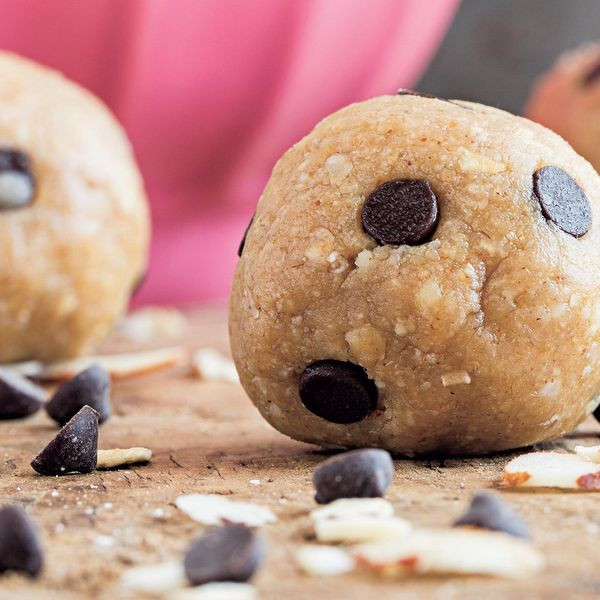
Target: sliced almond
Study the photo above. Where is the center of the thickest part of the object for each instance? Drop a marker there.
(465, 552)
(153, 323)
(225, 590)
(324, 560)
(346, 508)
(120, 366)
(216, 510)
(552, 469)
(155, 579)
(360, 529)
(212, 365)
(472, 162)
(117, 457)
(589, 452)
(29, 368)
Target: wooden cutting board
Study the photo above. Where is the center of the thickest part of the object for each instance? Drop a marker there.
(208, 438)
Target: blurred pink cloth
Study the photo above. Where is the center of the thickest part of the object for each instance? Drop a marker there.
(211, 92)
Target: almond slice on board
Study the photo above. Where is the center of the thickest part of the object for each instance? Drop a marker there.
(360, 529)
(120, 366)
(590, 452)
(350, 508)
(457, 551)
(117, 457)
(552, 469)
(211, 365)
(324, 560)
(212, 509)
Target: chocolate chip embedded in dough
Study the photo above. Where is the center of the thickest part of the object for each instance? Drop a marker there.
(402, 211)
(229, 553)
(365, 473)
(17, 187)
(74, 449)
(339, 392)
(90, 387)
(243, 241)
(562, 200)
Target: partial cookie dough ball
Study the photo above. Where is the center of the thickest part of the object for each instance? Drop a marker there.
(423, 276)
(74, 224)
(567, 100)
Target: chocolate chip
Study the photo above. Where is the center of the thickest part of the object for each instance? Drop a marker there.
(18, 396)
(19, 546)
(339, 392)
(562, 200)
(139, 282)
(489, 511)
(91, 387)
(74, 449)
(405, 92)
(592, 75)
(243, 242)
(597, 414)
(363, 473)
(227, 553)
(402, 211)
(16, 181)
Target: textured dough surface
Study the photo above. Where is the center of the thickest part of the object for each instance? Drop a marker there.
(482, 339)
(563, 102)
(71, 258)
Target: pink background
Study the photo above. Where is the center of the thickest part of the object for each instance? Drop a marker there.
(213, 91)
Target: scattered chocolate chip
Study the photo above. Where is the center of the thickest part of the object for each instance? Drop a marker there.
(228, 553)
(18, 396)
(91, 388)
(592, 75)
(402, 211)
(19, 546)
(596, 414)
(243, 242)
(562, 200)
(489, 511)
(339, 392)
(16, 181)
(74, 449)
(363, 473)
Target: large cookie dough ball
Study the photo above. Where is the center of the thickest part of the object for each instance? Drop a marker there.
(73, 215)
(567, 100)
(422, 276)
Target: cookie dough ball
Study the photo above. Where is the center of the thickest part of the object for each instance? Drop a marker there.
(73, 216)
(567, 100)
(423, 276)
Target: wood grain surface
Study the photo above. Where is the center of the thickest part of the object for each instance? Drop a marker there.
(208, 438)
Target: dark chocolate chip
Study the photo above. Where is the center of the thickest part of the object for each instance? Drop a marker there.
(489, 511)
(74, 449)
(562, 200)
(19, 546)
(243, 242)
(402, 211)
(597, 414)
(363, 473)
(339, 392)
(17, 187)
(139, 282)
(91, 388)
(592, 75)
(18, 396)
(227, 553)
(405, 92)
